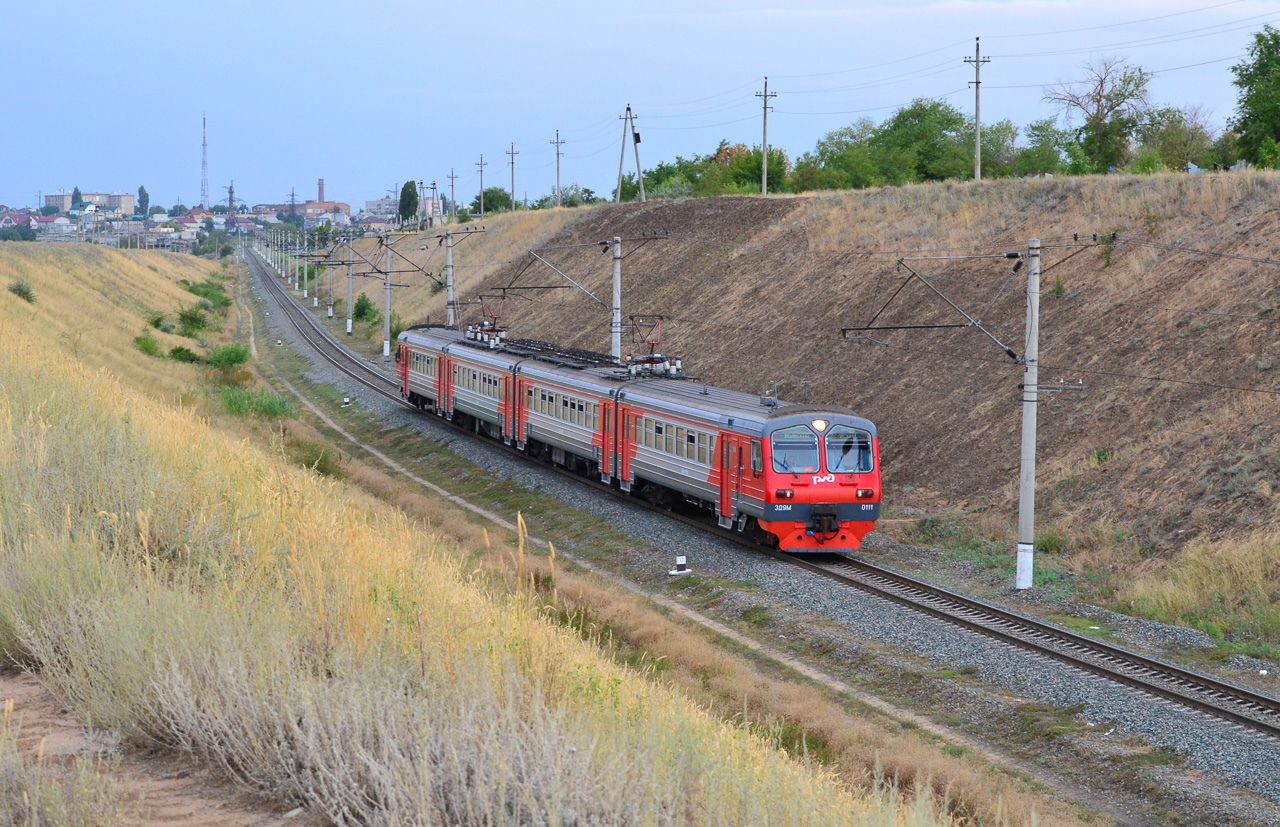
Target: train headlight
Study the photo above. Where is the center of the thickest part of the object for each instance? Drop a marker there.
(866, 493)
(819, 425)
(784, 493)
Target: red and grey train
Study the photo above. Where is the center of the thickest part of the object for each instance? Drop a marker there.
(809, 476)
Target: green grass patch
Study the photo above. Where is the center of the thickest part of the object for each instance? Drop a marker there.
(1037, 721)
(22, 290)
(757, 616)
(319, 458)
(184, 354)
(147, 345)
(1083, 625)
(261, 402)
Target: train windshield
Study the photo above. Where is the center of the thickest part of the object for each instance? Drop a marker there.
(848, 450)
(795, 450)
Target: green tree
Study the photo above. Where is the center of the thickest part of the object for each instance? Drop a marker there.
(364, 310)
(408, 202)
(155, 211)
(1257, 78)
(49, 210)
(144, 201)
(496, 199)
(1171, 138)
(1110, 101)
(924, 141)
(177, 209)
(76, 197)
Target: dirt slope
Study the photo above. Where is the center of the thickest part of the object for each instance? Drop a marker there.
(755, 291)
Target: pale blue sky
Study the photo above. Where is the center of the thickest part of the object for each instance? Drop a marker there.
(367, 95)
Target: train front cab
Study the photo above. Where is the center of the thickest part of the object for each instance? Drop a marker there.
(821, 479)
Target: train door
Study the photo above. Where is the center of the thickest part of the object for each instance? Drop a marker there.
(506, 406)
(626, 418)
(730, 478)
(444, 378)
(608, 443)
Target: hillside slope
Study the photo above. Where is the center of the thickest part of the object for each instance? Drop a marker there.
(1154, 445)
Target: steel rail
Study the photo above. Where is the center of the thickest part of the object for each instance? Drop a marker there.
(1237, 705)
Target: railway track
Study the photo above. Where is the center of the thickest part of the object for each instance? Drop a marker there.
(1238, 706)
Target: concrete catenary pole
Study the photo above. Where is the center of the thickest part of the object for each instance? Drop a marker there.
(350, 281)
(329, 301)
(315, 273)
(764, 141)
(482, 165)
(1030, 399)
(386, 311)
(977, 60)
(448, 278)
(304, 264)
(615, 324)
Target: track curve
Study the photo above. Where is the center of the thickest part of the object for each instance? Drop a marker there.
(1237, 705)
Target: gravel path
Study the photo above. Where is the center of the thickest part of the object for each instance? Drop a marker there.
(1245, 758)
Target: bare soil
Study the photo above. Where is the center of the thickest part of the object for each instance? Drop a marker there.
(164, 789)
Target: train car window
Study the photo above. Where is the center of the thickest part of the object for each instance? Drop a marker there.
(679, 442)
(848, 450)
(649, 428)
(795, 450)
(691, 445)
(671, 440)
(702, 448)
(724, 456)
(595, 417)
(757, 456)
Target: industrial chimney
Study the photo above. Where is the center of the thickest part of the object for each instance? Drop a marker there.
(321, 198)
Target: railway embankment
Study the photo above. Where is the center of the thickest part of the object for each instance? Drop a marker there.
(1158, 458)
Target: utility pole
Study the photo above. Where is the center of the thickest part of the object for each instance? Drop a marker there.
(435, 199)
(422, 197)
(977, 60)
(615, 323)
(482, 165)
(448, 278)
(386, 313)
(453, 205)
(764, 143)
(558, 143)
(350, 282)
(629, 125)
(513, 152)
(1030, 397)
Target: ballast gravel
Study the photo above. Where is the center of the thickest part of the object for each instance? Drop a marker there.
(1240, 755)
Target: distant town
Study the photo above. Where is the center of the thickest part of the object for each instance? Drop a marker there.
(129, 220)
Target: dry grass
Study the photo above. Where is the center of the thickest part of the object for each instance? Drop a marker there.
(93, 301)
(203, 596)
(45, 793)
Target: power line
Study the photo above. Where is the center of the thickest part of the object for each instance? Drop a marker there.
(1123, 23)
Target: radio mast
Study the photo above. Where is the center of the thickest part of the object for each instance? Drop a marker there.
(204, 163)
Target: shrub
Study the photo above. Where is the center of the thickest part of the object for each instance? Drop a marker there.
(147, 345)
(227, 357)
(397, 325)
(182, 354)
(210, 291)
(364, 311)
(191, 320)
(23, 291)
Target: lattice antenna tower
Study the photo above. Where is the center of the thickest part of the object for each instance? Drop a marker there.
(204, 162)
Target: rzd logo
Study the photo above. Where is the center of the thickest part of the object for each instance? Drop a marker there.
(824, 478)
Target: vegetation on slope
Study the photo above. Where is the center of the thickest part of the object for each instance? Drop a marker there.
(202, 596)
